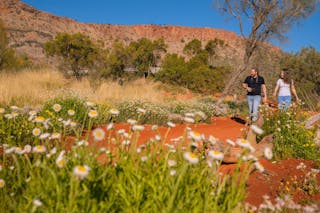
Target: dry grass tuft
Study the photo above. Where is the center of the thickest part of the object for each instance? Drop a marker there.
(33, 88)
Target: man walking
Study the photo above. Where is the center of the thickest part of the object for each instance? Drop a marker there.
(253, 84)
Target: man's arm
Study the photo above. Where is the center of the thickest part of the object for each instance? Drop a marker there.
(264, 89)
(245, 86)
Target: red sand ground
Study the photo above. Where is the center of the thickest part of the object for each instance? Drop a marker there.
(272, 182)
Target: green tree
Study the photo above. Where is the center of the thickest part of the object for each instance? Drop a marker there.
(193, 47)
(3, 43)
(118, 60)
(211, 48)
(143, 54)
(77, 52)
(8, 57)
(304, 68)
(173, 70)
(267, 19)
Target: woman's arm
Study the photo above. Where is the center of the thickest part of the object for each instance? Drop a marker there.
(294, 92)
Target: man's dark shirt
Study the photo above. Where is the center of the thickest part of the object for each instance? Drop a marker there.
(255, 84)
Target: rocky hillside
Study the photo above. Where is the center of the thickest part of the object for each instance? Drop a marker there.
(29, 28)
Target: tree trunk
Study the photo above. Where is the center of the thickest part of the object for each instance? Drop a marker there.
(234, 77)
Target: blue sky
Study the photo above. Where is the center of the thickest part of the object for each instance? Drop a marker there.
(193, 13)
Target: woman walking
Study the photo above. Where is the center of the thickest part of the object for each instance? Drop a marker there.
(283, 89)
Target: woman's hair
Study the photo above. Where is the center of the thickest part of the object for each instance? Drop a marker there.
(286, 77)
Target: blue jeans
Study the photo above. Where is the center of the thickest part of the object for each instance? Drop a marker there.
(253, 103)
(284, 102)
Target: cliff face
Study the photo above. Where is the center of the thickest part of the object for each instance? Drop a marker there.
(28, 28)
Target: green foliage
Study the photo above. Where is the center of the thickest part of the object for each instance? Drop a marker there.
(173, 70)
(199, 108)
(194, 75)
(291, 138)
(304, 67)
(143, 54)
(154, 114)
(131, 184)
(193, 47)
(73, 123)
(77, 52)
(9, 60)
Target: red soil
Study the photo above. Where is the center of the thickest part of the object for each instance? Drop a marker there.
(278, 179)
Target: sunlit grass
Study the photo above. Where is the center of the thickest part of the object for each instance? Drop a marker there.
(32, 88)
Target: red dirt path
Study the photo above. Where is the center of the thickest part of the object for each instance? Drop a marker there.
(272, 182)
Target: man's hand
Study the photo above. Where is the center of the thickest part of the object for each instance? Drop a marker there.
(249, 89)
(264, 100)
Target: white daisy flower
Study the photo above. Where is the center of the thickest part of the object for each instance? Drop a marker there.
(131, 121)
(137, 127)
(110, 126)
(154, 127)
(173, 172)
(140, 110)
(245, 144)
(230, 142)
(216, 154)
(37, 202)
(201, 114)
(32, 113)
(19, 150)
(268, 153)
(170, 124)
(61, 161)
(114, 111)
(53, 151)
(9, 150)
(256, 129)
(98, 134)
(8, 116)
(14, 108)
(259, 166)
(93, 113)
(212, 140)
(55, 135)
(44, 136)
(144, 158)
(39, 149)
(172, 163)
(56, 107)
(81, 172)
(126, 135)
(157, 137)
(90, 104)
(188, 120)
(36, 132)
(121, 131)
(71, 112)
(191, 157)
(2, 183)
(39, 119)
(196, 136)
(126, 142)
(189, 114)
(73, 124)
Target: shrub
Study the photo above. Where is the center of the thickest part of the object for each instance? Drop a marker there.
(291, 138)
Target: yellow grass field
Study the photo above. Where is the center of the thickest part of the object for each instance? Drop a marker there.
(33, 88)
